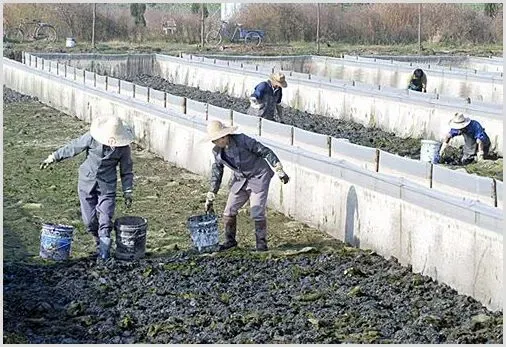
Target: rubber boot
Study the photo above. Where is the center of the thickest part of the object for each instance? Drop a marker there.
(94, 234)
(104, 248)
(261, 235)
(230, 232)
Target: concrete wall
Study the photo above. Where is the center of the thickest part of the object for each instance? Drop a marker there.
(116, 65)
(452, 241)
(486, 87)
(405, 114)
(480, 83)
(490, 64)
(365, 157)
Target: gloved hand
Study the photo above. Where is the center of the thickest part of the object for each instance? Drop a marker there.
(255, 103)
(442, 149)
(128, 198)
(49, 160)
(208, 207)
(281, 173)
(479, 156)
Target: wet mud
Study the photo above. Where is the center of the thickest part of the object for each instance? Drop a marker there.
(342, 296)
(309, 288)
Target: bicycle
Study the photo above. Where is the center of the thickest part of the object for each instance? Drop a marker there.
(41, 31)
(249, 37)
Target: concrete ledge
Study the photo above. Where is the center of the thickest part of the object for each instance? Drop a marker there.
(196, 108)
(248, 124)
(276, 131)
(141, 93)
(218, 113)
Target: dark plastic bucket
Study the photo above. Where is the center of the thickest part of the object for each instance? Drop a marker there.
(204, 232)
(130, 237)
(55, 241)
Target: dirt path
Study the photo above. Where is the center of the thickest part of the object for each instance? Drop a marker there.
(327, 293)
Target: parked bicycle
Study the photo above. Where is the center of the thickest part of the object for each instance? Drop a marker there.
(249, 37)
(32, 30)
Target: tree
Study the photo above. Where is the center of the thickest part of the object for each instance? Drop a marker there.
(491, 10)
(195, 8)
(137, 11)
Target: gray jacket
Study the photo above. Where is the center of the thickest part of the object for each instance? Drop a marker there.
(100, 164)
(250, 157)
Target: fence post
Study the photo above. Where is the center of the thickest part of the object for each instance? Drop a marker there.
(494, 191)
(377, 160)
(231, 117)
(106, 83)
(431, 174)
(329, 144)
(292, 135)
(84, 76)
(165, 99)
(184, 106)
(95, 79)
(133, 90)
(148, 93)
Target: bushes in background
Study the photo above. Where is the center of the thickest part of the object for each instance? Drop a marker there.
(346, 22)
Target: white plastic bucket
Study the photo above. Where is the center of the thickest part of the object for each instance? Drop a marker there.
(430, 151)
(70, 42)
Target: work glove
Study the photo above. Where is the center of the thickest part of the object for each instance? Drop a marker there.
(208, 207)
(127, 195)
(255, 103)
(479, 156)
(281, 173)
(49, 160)
(442, 149)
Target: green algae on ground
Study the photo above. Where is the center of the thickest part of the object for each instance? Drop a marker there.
(164, 194)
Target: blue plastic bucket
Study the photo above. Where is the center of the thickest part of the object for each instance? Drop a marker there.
(204, 232)
(55, 241)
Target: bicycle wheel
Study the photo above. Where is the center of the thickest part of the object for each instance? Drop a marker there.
(46, 32)
(253, 39)
(213, 37)
(14, 35)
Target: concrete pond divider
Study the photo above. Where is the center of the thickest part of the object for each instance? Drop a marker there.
(455, 241)
(395, 110)
(366, 157)
(478, 84)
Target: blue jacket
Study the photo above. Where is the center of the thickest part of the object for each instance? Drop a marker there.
(269, 97)
(474, 130)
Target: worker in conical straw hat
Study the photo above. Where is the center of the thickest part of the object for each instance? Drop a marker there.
(476, 140)
(249, 160)
(107, 145)
(266, 97)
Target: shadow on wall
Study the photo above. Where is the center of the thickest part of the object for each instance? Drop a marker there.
(352, 217)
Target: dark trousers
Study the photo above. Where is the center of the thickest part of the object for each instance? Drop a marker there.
(97, 211)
